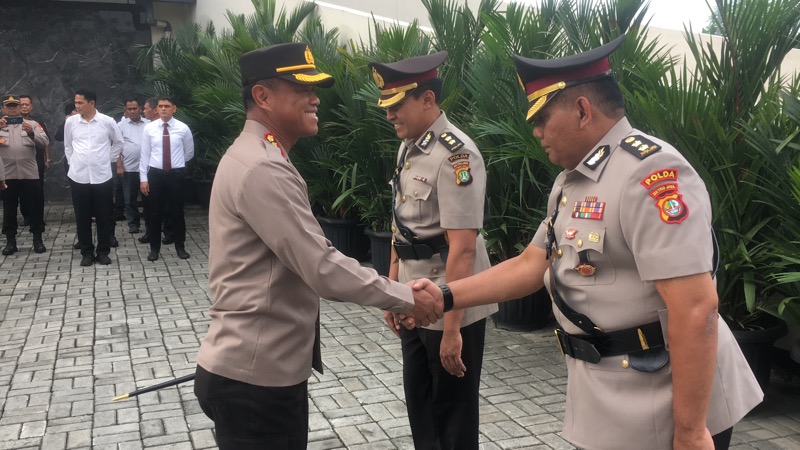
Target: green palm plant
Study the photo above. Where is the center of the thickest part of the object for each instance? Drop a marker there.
(704, 114)
(200, 70)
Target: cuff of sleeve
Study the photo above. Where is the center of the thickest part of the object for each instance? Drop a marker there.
(665, 263)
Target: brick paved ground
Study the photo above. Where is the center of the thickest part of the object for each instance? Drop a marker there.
(72, 338)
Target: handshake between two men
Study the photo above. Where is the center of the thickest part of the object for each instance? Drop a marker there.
(429, 306)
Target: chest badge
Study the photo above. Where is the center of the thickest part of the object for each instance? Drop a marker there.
(586, 269)
(594, 236)
(2, 140)
(570, 233)
(589, 209)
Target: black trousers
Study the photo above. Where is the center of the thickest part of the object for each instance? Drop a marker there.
(249, 417)
(119, 193)
(442, 408)
(93, 200)
(28, 195)
(23, 209)
(165, 187)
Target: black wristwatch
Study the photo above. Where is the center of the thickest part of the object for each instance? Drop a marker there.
(448, 297)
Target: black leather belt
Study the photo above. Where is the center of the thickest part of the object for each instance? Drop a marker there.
(421, 249)
(152, 169)
(592, 348)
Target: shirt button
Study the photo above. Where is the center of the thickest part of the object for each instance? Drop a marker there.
(434, 270)
(407, 165)
(394, 230)
(564, 201)
(560, 252)
(416, 194)
(579, 243)
(625, 364)
(403, 199)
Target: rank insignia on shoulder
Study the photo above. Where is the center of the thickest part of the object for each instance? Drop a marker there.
(639, 146)
(450, 141)
(426, 141)
(463, 175)
(598, 156)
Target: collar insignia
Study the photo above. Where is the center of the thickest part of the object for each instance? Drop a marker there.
(598, 156)
(426, 141)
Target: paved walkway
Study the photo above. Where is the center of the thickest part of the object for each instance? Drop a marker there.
(72, 338)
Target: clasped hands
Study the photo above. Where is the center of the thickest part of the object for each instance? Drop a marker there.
(428, 307)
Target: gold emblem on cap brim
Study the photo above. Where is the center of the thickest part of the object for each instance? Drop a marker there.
(309, 56)
(378, 78)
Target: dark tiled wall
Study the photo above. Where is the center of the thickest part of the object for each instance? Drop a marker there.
(50, 52)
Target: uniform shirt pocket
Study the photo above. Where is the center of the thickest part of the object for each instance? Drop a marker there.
(589, 242)
(419, 197)
(27, 141)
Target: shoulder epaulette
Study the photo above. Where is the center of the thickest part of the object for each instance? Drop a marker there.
(639, 146)
(450, 141)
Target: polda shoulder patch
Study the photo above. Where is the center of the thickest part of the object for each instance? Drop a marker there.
(450, 141)
(639, 146)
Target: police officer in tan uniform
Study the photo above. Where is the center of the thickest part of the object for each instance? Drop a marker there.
(439, 189)
(269, 263)
(18, 142)
(628, 256)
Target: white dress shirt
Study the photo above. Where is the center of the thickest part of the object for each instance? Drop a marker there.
(91, 147)
(132, 133)
(181, 144)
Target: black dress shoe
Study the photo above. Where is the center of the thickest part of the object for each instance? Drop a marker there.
(87, 260)
(114, 242)
(103, 259)
(145, 239)
(152, 256)
(77, 246)
(10, 248)
(182, 253)
(168, 240)
(38, 246)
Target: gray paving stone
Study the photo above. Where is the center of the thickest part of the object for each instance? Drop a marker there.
(72, 338)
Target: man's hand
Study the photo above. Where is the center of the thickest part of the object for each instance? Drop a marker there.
(46, 165)
(428, 286)
(393, 322)
(692, 440)
(145, 188)
(450, 354)
(3, 185)
(427, 309)
(26, 127)
(3, 122)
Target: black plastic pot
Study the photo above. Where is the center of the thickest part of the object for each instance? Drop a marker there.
(525, 314)
(347, 235)
(757, 345)
(381, 250)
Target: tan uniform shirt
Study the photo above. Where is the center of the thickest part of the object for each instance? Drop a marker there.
(431, 199)
(269, 262)
(18, 151)
(639, 220)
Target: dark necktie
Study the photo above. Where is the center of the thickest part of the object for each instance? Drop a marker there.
(165, 146)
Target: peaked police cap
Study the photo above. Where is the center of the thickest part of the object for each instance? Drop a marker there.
(542, 79)
(398, 79)
(10, 100)
(290, 62)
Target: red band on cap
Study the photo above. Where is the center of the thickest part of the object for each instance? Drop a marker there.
(598, 67)
(429, 75)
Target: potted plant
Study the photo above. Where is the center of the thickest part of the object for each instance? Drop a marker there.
(711, 131)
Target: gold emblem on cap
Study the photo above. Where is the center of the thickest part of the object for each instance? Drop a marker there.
(309, 56)
(378, 78)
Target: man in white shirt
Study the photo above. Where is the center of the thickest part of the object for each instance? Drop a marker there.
(167, 145)
(92, 141)
(132, 128)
